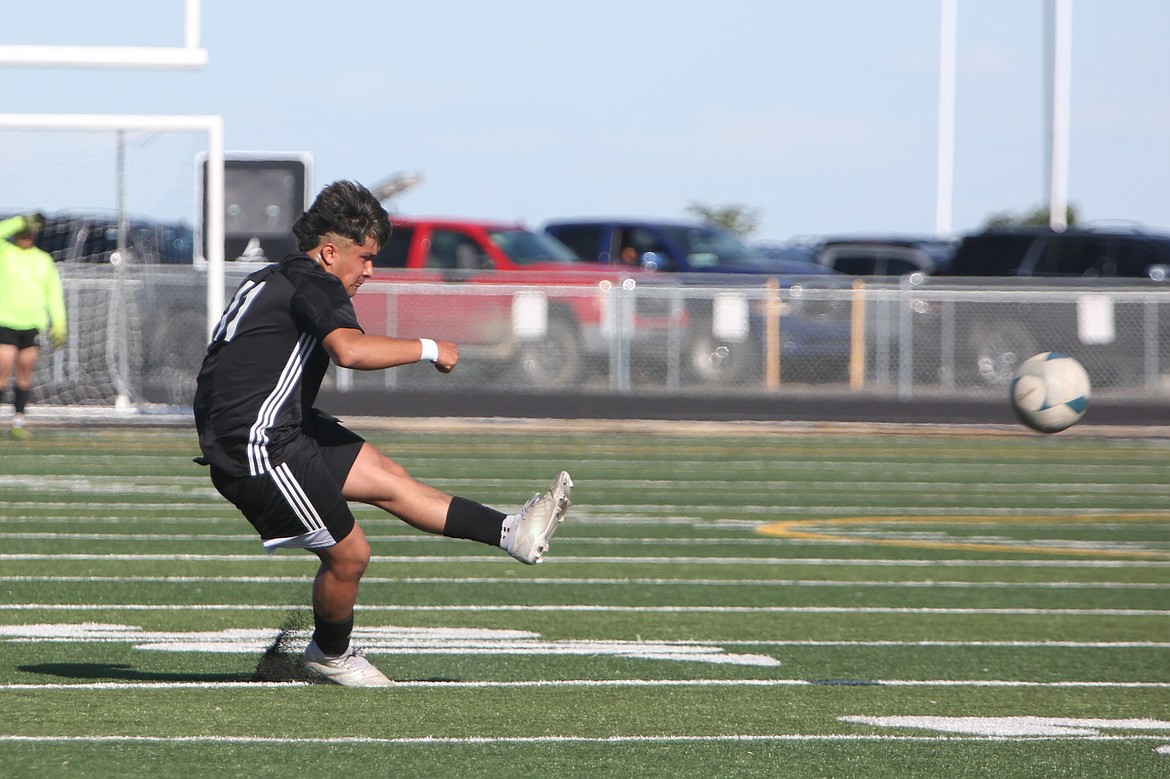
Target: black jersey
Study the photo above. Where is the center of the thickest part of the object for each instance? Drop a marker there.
(265, 364)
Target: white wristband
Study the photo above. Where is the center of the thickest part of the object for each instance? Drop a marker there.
(430, 350)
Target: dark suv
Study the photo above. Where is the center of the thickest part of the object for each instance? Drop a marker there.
(1082, 253)
(1070, 291)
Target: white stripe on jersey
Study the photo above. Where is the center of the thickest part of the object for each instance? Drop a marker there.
(290, 377)
(296, 497)
(225, 329)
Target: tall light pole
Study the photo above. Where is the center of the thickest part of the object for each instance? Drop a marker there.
(1061, 78)
(948, 37)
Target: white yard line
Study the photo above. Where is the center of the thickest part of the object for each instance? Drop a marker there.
(605, 609)
(610, 683)
(858, 536)
(611, 559)
(645, 582)
(69, 483)
(487, 740)
(624, 514)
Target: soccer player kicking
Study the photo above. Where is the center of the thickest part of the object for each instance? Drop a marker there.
(290, 468)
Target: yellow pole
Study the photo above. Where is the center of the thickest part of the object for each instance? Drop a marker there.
(857, 336)
(772, 336)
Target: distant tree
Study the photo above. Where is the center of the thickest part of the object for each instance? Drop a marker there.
(738, 218)
(1036, 217)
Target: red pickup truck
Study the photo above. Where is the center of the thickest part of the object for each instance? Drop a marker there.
(510, 297)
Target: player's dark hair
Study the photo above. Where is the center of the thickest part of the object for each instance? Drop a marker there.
(343, 208)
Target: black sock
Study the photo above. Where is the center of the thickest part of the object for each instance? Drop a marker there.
(332, 637)
(473, 521)
(20, 399)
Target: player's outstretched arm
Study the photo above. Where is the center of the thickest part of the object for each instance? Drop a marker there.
(349, 348)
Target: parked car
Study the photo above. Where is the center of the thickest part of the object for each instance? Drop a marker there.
(675, 247)
(876, 255)
(570, 335)
(77, 237)
(133, 308)
(815, 332)
(1096, 266)
(473, 245)
(1084, 253)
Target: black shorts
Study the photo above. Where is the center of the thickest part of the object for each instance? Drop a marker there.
(21, 339)
(299, 502)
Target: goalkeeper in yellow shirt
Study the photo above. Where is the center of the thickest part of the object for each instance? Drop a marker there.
(31, 300)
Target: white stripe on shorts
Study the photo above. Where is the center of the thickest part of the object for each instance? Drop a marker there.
(304, 509)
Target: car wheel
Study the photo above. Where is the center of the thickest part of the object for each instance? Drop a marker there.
(997, 350)
(552, 361)
(174, 349)
(715, 361)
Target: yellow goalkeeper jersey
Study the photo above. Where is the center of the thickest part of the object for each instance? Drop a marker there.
(30, 287)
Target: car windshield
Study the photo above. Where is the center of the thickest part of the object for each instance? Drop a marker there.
(711, 247)
(528, 248)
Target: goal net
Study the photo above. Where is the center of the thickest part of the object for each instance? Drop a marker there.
(120, 198)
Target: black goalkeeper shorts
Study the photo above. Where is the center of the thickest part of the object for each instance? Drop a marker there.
(21, 339)
(299, 503)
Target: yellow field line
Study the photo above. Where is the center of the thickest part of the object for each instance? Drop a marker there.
(795, 529)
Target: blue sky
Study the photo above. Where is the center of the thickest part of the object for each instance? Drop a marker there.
(821, 115)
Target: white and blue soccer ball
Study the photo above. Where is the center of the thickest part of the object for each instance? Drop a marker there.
(1050, 392)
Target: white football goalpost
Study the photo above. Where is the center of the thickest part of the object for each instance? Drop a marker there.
(189, 55)
(115, 308)
(211, 125)
(132, 277)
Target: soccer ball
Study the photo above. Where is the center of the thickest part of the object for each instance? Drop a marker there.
(1050, 392)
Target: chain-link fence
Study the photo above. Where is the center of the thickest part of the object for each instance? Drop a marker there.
(138, 333)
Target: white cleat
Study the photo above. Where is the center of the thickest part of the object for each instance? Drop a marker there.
(351, 669)
(538, 521)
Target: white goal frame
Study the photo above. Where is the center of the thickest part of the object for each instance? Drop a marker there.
(212, 125)
(188, 56)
